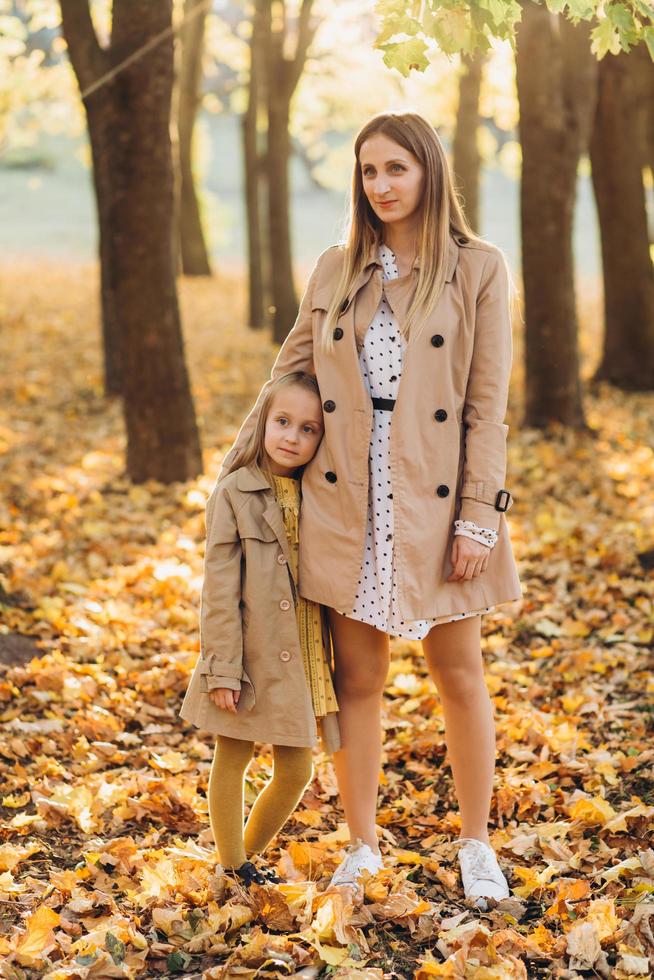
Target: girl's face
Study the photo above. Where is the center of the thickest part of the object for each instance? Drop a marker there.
(392, 178)
(293, 429)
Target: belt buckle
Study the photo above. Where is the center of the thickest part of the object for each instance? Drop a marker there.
(505, 500)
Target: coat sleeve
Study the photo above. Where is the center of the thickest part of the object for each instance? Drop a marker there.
(486, 399)
(296, 354)
(221, 631)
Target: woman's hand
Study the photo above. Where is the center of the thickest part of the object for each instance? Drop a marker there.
(469, 558)
(225, 698)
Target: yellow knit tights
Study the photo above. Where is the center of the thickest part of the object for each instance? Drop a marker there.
(291, 772)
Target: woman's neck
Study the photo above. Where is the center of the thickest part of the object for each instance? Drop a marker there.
(402, 240)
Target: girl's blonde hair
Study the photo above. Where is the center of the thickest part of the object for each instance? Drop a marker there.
(254, 450)
(441, 216)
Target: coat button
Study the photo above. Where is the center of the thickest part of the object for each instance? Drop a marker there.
(442, 490)
(284, 604)
(440, 415)
(329, 405)
(437, 340)
(338, 333)
(330, 477)
(285, 656)
(281, 559)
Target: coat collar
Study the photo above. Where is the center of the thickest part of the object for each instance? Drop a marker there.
(251, 477)
(372, 258)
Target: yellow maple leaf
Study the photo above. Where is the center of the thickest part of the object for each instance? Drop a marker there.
(38, 936)
(542, 937)
(533, 880)
(592, 812)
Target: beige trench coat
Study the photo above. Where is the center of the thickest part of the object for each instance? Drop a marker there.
(448, 441)
(249, 637)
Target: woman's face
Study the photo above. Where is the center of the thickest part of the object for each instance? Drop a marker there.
(293, 429)
(392, 178)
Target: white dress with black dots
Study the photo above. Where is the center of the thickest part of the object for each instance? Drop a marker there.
(381, 366)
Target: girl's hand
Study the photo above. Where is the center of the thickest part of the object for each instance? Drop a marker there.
(469, 558)
(225, 698)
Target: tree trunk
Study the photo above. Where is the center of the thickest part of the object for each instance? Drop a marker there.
(555, 78)
(162, 436)
(283, 288)
(90, 61)
(466, 159)
(643, 67)
(195, 258)
(100, 117)
(253, 181)
(616, 158)
(286, 73)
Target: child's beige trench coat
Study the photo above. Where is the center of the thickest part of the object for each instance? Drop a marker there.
(448, 442)
(249, 637)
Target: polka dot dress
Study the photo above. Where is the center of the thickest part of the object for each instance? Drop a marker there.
(381, 367)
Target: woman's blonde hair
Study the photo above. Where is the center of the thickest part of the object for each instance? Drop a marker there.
(254, 450)
(441, 216)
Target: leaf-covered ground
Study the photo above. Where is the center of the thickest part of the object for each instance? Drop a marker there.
(106, 862)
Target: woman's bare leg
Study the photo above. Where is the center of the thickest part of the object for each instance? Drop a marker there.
(361, 655)
(454, 659)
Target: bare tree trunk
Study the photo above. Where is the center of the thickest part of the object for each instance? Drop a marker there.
(556, 83)
(284, 295)
(101, 136)
(616, 157)
(644, 70)
(253, 176)
(466, 159)
(286, 73)
(195, 257)
(162, 436)
(90, 61)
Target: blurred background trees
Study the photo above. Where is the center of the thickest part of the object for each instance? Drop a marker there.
(220, 136)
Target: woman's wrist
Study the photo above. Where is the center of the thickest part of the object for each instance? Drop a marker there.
(469, 529)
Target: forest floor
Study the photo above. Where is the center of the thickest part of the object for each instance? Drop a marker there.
(107, 867)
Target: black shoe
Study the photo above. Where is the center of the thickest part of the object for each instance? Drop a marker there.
(249, 874)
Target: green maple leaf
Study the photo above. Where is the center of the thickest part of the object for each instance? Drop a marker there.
(406, 56)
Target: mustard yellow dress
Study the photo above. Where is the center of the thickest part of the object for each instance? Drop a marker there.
(313, 630)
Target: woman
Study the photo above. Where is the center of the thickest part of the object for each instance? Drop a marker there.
(403, 528)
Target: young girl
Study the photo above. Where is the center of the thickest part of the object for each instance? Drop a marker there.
(263, 673)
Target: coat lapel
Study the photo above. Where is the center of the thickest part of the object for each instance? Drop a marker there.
(251, 478)
(398, 292)
(365, 304)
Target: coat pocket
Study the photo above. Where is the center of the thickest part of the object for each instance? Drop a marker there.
(248, 697)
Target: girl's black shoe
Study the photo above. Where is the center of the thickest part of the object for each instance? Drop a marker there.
(248, 874)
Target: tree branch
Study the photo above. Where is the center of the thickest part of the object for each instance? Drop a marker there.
(305, 34)
(88, 59)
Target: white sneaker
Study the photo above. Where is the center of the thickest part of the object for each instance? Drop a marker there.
(359, 857)
(481, 874)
